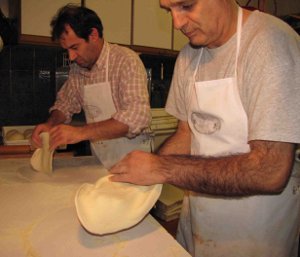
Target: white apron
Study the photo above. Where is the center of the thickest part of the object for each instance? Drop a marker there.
(98, 105)
(237, 226)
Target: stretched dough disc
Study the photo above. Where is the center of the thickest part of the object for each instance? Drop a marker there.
(41, 159)
(108, 207)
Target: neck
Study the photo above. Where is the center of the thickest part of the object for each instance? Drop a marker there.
(231, 27)
(97, 49)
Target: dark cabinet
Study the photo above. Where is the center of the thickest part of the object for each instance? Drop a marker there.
(27, 83)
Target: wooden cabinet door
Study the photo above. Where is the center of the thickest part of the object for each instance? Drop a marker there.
(37, 15)
(116, 19)
(152, 26)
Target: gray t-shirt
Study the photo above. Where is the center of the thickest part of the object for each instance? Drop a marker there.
(268, 77)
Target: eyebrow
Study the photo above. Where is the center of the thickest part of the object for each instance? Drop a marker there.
(175, 3)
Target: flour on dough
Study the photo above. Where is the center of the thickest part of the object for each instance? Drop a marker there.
(107, 207)
(41, 159)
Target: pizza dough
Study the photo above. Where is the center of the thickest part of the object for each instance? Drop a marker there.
(41, 159)
(27, 133)
(108, 207)
(13, 135)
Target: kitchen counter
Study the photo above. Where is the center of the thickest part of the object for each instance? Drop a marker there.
(38, 217)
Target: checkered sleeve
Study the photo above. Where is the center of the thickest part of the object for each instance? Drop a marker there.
(134, 101)
(68, 99)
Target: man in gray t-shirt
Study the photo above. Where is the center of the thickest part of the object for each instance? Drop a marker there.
(236, 94)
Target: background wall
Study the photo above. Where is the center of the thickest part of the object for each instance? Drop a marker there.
(275, 7)
(283, 7)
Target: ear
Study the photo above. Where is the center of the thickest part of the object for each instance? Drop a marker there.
(94, 35)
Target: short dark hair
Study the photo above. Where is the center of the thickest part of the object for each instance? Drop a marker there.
(80, 19)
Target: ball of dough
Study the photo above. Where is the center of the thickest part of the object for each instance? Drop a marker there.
(27, 133)
(13, 135)
(10, 132)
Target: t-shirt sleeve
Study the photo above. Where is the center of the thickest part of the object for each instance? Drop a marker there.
(176, 102)
(274, 88)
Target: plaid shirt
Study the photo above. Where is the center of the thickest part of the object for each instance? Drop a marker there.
(127, 77)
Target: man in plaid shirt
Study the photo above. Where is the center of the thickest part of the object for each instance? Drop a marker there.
(107, 81)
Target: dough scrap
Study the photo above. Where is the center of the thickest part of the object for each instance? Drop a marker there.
(108, 207)
(42, 158)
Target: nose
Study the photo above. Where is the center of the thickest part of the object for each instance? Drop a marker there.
(178, 20)
(72, 54)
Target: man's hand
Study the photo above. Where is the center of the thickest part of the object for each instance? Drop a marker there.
(36, 141)
(64, 134)
(56, 117)
(139, 168)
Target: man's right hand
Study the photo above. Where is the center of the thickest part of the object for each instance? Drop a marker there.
(36, 141)
(56, 117)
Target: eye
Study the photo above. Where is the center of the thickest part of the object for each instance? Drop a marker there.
(187, 7)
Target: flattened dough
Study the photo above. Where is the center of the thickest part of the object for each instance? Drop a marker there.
(108, 207)
(41, 159)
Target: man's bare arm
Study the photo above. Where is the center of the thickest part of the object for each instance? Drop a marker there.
(179, 142)
(265, 170)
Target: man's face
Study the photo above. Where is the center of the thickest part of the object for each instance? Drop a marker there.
(84, 53)
(204, 22)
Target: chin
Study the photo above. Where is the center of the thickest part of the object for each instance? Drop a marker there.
(196, 46)
(196, 43)
(82, 65)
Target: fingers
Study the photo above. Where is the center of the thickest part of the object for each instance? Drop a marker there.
(62, 135)
(36, 141)
(57, 138)
(120, 177)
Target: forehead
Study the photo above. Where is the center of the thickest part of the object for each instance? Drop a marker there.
(68, 38)
(68, 31)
